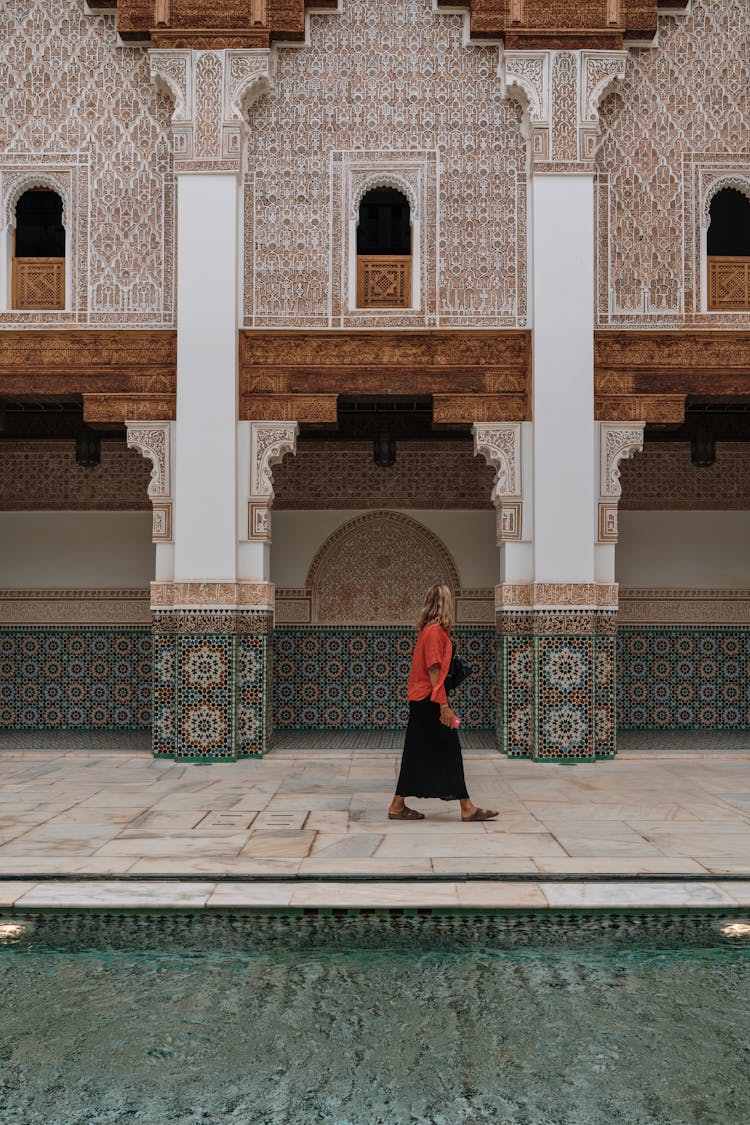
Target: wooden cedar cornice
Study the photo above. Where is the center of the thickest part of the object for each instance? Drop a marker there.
(120, 374)
(648, 375)
(527, 25)
(472, 375)
(211, 24)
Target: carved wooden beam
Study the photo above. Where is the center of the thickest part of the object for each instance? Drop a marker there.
(648, 375)
(426, 362)
(212, 24)
(525, 25)
(106, 367)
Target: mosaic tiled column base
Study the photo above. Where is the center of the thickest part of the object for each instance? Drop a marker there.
(211, 684)
(556, 677)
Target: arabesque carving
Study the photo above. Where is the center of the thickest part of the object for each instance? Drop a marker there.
(212, 92)
(79, 115)
(560, 93)
(152, 440)
(500, 445)
(269, 444)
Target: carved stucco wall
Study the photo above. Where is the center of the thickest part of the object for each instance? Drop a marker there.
(83, 111)
(390, 87)
(44, 476)
(375, 570)
(344, 475)
(663, 478)
(678, 124)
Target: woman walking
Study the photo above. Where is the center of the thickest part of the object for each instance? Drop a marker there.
(431, 765)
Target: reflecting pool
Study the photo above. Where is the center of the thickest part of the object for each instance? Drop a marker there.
(570, 1033)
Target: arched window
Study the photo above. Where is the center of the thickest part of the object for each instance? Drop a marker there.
(39, 251)
(384, 251)
(728, 251)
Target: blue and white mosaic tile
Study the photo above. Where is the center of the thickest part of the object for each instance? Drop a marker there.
(330, 677)
(75, 679)
(684, 679)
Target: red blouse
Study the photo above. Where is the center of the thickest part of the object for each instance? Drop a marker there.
(433, 647)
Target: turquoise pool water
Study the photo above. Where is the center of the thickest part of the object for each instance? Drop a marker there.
(576, 1032)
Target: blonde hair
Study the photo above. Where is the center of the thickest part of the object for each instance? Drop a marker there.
(437, 607)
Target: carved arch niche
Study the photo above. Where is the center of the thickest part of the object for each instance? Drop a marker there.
(375, 569)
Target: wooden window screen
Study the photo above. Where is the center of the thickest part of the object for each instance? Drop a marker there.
(38, 283)
(728, 284)
(384, 281)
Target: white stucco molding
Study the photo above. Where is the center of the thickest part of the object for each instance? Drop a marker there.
(18, 183)
(270, 442)
(618, 441)
(407, 182)
(152, 440)
(499, 443)
(721, 181)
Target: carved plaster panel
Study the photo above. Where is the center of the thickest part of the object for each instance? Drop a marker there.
(100, 138)
(617, 442)
(404, 100)
(212, 91)
(500, 445)
(678, 127)
(152, 440)
(269, 444)
(560, 93)
(375, 569)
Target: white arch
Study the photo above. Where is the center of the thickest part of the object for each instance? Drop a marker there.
(386, 179)
(731, 182)
(31, 180)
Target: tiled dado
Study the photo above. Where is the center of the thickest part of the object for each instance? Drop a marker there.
(556, 676)
(336, 677)
(211, 683)
(684, 678)
(86, 678)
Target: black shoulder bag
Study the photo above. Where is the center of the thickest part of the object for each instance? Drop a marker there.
(457, 672)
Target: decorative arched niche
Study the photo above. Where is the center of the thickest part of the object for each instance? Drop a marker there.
(725, 246)
(35, 208)
(374, 570)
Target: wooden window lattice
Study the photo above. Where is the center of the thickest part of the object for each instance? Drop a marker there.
(383, 281)
(38, 283)
(728, 284)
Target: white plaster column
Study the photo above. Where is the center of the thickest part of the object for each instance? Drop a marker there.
(563, 377)
(206, 430)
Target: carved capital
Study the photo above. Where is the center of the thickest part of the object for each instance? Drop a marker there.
(269, 444)
(617, 442)
(152, 440)
(500, 445)
(560, 93)
(212, 91)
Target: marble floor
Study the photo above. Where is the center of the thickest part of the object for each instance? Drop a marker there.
(312, 815)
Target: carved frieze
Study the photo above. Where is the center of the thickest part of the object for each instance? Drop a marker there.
(550, 24)
(387, 362)
(212, 24)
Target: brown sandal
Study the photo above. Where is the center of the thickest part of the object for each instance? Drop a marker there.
(481, 814)
(406, 814)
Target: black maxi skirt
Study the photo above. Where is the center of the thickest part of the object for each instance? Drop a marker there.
(431, 765)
